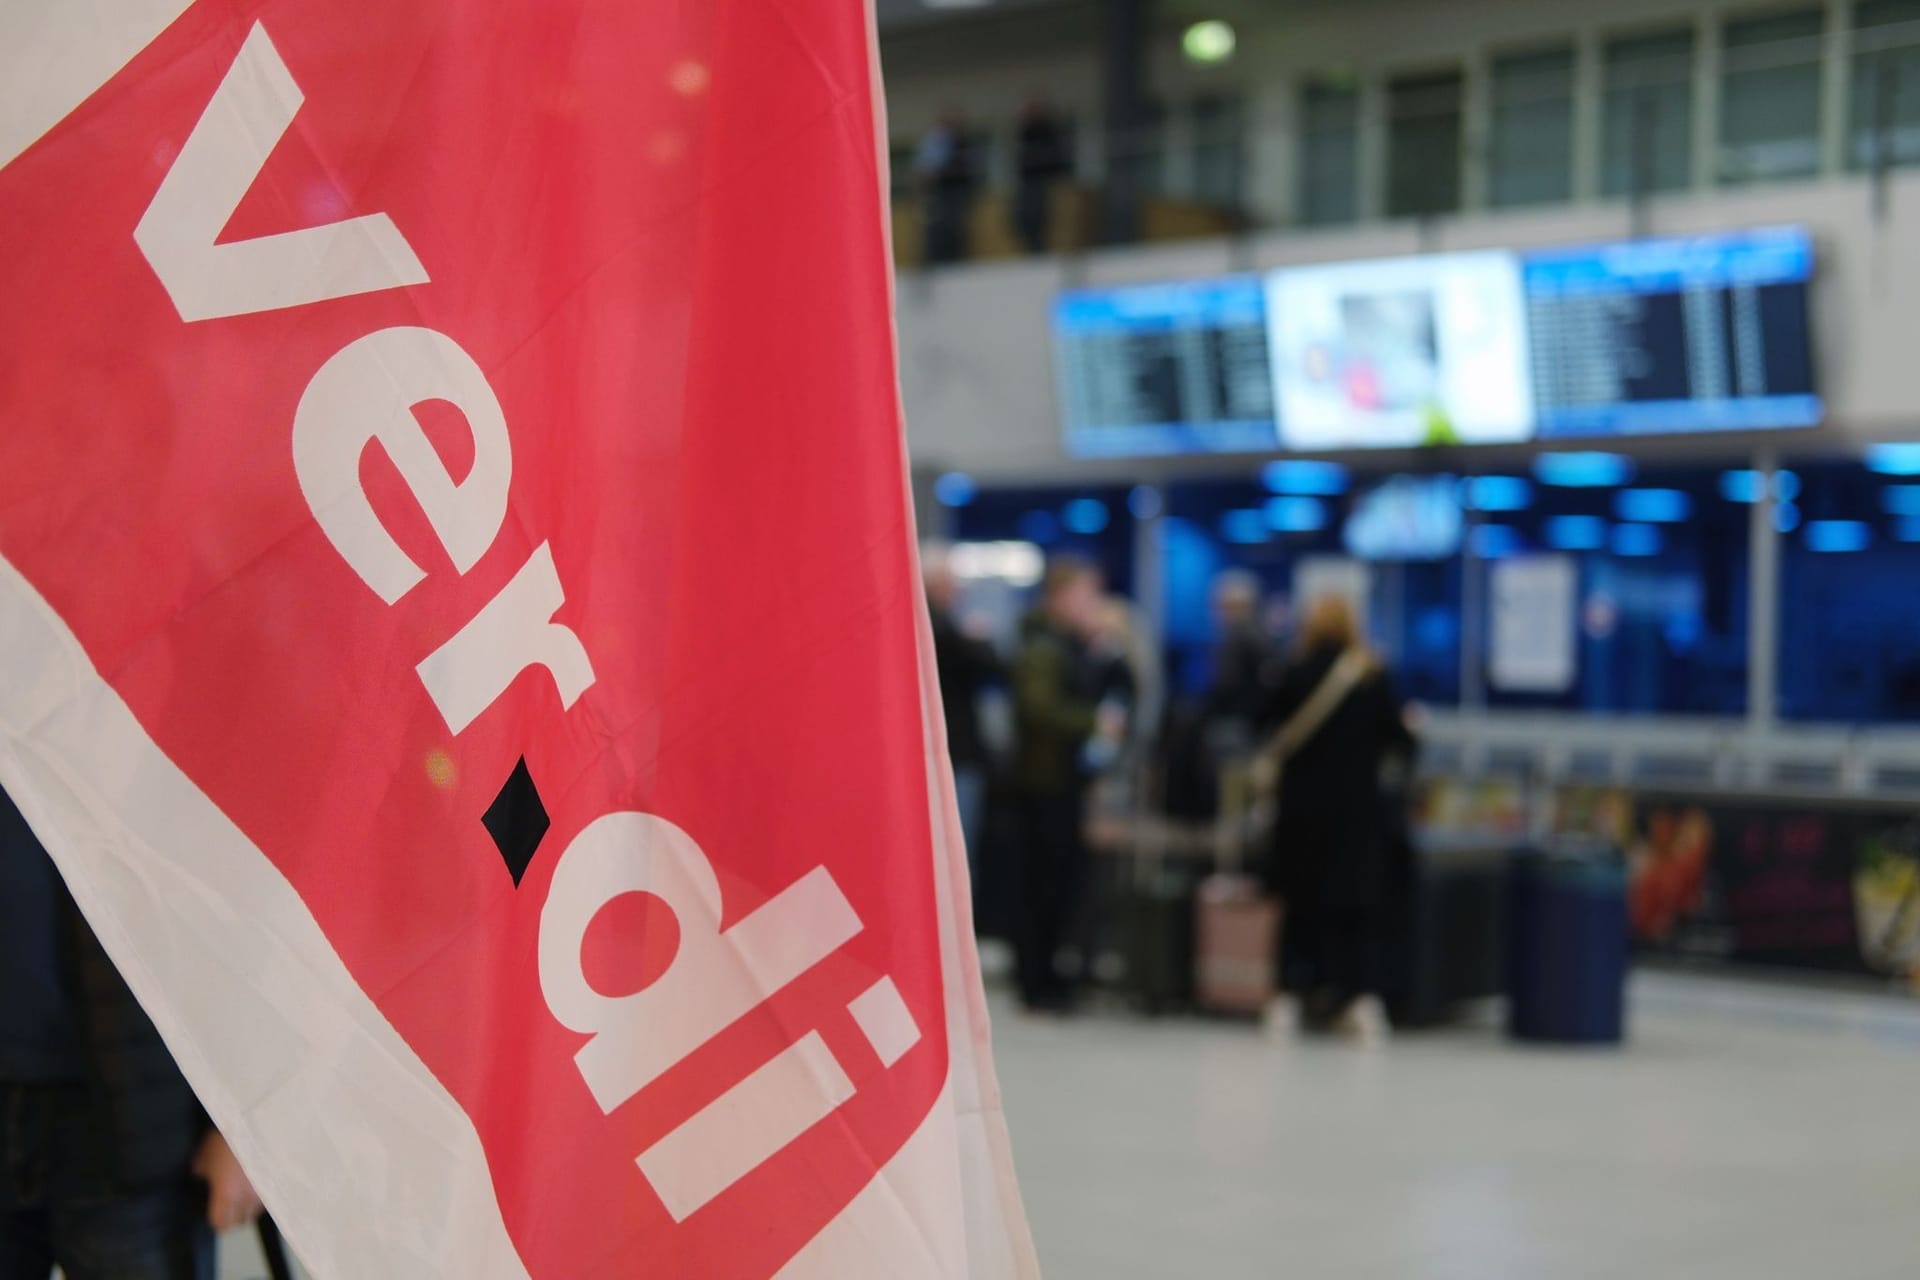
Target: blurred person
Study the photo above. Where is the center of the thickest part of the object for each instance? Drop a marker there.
(1338, 725)
(1113, 648)
(109, 1169)
(1057, 711)
(947, 173)
(1043, 158)
(1205, 734)
(966, 664)
(1243, 661)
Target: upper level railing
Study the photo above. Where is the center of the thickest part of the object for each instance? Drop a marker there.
(1778, 98)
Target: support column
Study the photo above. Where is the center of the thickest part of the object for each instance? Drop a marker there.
(1706, 98)
(1150, 592)
(1589, 112)
(1836, 76)
(1763, 603)
(1124, 66)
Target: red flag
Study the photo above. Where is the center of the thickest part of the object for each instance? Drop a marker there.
(462, 638)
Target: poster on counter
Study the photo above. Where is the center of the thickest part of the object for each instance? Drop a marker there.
(1532, 648)
(1831, 888)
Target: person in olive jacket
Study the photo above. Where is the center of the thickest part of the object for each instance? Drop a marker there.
(1057, 711)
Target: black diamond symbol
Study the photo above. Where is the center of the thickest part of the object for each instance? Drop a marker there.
(517, 821)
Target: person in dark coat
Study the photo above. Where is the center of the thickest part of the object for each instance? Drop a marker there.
(109, 1168)
(1243, 660)
(1043, 159)
(1331, 861)
(1057, 692)
(948, 174)
(966, 664)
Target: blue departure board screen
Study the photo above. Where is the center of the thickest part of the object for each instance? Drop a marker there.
(1638, 337)
(1165, 369)
(1707, 333)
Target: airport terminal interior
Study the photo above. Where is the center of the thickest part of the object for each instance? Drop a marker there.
(1553, 360)
(1569, 345)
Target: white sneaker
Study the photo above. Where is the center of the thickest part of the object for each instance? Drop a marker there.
(1281, 1020)
(1364, 1023)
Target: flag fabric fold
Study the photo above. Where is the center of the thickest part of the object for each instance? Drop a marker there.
(461, 630)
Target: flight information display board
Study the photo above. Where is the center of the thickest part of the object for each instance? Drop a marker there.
(1640, 337)
(1660, 336)
(1165, 369)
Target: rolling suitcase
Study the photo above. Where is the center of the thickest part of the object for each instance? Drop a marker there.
(1567, 937)
(1236, 945)
(1156, 918)
(1146, 906)
(1236, 921)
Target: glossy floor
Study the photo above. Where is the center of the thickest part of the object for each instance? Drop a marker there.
(1747, 1133)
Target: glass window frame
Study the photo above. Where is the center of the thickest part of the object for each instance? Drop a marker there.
(1530, 82)
(1634, 72)
(1758, 59)
(1416, 96)
(1335, 203)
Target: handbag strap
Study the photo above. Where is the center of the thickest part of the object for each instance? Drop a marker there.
(1333, 689)
(1348, 671)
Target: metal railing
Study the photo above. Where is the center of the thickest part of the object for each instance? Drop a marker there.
(1340, 150)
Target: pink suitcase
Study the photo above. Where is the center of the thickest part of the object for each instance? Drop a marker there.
(1236, 945)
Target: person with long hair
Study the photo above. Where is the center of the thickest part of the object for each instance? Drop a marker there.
(1335, 723)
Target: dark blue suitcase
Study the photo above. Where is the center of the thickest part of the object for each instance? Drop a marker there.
(1567, 945)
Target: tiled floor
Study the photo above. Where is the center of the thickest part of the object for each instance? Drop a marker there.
(1747, 1133)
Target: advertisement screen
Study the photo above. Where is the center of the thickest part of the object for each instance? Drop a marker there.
(1654, 336)
(1401, 352)
(1165, 369)
(1407, 518)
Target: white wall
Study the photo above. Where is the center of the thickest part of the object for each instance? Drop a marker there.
(976, 352)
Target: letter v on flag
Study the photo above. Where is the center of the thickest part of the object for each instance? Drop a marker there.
(461, 633)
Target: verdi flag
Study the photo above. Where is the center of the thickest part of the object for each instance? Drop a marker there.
(459, 628)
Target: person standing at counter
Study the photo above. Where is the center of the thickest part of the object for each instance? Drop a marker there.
(1057, 712)
(966, 663)
(1338, 722)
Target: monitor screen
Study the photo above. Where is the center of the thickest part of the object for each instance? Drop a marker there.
(1165, 369)
(1401, 352)
(1407, 518)
(1652, 336)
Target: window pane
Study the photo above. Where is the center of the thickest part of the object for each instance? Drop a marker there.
(1329, 154)
(1659, 600)
(1142, 153)
(1770, 97)
(1885, 94)
(1218, 137)
(1531, 160)
(1423, 145)
(1850, 620)
(1647, 129)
